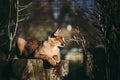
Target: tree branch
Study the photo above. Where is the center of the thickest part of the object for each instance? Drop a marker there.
(24, 7)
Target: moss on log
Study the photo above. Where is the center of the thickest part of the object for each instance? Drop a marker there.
(31, 69)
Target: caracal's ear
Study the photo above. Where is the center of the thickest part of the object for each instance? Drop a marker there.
(21, 44)
(57, 32)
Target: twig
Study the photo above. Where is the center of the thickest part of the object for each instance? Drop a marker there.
(9, 20)
(23, 19)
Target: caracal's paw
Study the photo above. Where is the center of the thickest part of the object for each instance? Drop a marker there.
(52, 61)
(57, 58)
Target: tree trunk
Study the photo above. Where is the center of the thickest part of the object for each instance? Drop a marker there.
(31, 69)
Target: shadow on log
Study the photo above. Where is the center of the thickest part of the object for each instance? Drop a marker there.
(31, 69)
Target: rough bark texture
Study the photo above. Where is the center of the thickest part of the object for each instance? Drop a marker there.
(31, 69)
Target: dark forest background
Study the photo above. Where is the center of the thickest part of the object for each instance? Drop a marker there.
(90, 25)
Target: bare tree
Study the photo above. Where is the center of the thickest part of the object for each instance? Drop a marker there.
(108, 16)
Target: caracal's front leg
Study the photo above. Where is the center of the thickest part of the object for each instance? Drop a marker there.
(48, 58)
(51, 61)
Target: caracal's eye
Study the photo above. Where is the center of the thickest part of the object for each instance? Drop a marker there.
(63, 44)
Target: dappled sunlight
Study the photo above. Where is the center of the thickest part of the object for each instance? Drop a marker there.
(74, 55)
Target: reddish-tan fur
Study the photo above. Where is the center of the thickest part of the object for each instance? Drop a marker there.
(26, 48)
(47, 50)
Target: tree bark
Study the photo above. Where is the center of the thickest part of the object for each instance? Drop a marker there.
(31, 69)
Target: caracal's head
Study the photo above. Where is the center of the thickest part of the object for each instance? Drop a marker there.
(57, 39)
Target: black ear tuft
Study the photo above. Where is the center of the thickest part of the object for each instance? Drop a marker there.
(52, 35)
